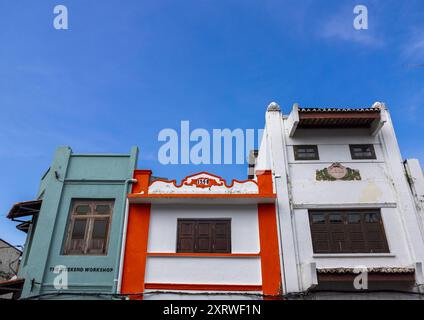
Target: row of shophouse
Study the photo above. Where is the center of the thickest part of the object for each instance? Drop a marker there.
(328, 198)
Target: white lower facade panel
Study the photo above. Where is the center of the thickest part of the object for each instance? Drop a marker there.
(204, 270)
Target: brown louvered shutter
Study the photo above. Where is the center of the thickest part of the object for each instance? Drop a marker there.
(355, 234)
(374, 233)
(222, 237)
(186, 235)
(320, 233)
(204, 236)
(338, 236)
(351, 231)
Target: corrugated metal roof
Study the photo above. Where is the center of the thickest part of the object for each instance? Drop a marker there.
(383, 270)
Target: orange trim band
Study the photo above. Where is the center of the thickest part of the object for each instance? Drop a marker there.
(270, 259)
(201, 255)
(202, 287)
(136, 248)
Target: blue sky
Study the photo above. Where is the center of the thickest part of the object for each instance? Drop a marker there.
(127, 69)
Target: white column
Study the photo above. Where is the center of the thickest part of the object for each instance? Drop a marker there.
(279, 166)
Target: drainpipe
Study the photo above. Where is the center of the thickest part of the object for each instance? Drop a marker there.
(119, 264)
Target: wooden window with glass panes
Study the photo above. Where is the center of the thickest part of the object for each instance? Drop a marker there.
(88, 229)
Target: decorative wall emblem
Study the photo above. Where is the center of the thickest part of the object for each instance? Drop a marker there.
(337, 172)
(203, 182)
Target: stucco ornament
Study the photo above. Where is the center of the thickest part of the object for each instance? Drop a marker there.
(337, 172)
(203, 183)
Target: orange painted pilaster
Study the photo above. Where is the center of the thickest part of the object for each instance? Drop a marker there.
(143, 181)
(265, 182)
(270, 259)
(136, 249)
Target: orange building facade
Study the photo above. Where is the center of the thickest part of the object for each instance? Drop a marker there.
(201, 236)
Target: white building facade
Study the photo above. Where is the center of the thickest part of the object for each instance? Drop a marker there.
(347, 204)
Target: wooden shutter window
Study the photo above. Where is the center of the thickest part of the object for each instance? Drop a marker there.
(204, 236)
(88, 231)
(186, 229)
(222, 237)
(348, 232)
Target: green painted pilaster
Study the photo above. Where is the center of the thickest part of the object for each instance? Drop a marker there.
(41, 243)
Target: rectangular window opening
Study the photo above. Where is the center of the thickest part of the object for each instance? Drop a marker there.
(204, 235)
(362, 151)
(306, 152)
(88, 228)
(348, 231)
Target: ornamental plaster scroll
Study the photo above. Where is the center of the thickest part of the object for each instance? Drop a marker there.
(338, 172)
(203, 183)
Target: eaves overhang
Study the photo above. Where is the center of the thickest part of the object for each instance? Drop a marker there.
(24, 209)
(371, 119)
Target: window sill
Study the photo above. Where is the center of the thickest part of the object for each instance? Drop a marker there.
(353, 255)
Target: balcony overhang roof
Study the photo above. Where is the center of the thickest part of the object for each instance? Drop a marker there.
(337, 118)
(24, 209)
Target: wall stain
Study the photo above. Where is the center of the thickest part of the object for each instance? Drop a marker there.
(371, 193)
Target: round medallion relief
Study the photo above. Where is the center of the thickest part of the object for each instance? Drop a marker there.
(337, 171)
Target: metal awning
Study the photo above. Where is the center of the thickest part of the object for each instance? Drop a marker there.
(12, 286)
(24, 226)
(24, 209)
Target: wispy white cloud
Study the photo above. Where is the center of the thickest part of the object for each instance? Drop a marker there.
(414, 104)
(413, 48)
(339, 27)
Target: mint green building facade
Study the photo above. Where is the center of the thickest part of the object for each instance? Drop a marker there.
(69, 178)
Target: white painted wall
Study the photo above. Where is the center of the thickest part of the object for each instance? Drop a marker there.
(374, 188)
(201, 295)
(204, 270)
(201, 270)
(416, 180)
(244, 225)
